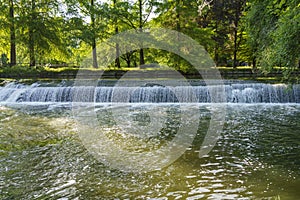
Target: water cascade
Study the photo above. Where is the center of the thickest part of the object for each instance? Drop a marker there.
(235, 93)
(49, 150)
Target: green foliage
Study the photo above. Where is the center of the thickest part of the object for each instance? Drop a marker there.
(274, 33)
(286, 46)
(4, 24)
(49, 31)
(20, 71)
(183, 17)
(4, 60)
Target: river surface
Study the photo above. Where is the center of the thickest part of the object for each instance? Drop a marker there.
(256, 157)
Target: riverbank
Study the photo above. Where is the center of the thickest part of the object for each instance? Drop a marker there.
(242, 73)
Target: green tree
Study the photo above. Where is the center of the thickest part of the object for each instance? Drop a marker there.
(87, 23)
(114, 11)
(7, 32)
(273, 28)
(287, 38)
(237, 33)
(117, 62)
(38, 25)
(135, 15)
(184, 17)
(224, 18)
(13, 55)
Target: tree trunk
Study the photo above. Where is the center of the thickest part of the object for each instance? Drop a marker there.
(12, 34)
(94, 45)
(128, 60)
(178, 29)
(216, 49)
(117, 61)
(254, 63)
(237, 15)
(235, 47)
(118, 65)
(31, 37)
(142, 59)
(31, 49)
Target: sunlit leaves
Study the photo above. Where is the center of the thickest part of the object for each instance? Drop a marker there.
(273, 27)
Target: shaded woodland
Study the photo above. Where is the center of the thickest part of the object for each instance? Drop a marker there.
(264, 34)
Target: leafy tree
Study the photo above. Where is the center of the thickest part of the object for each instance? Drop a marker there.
(287, 38)
(273, 28)
(236, 13)
(38, 26)
(7, 33)
(114, 13)
(87, 23)
(184, 17)
(224, 18)
(12, 33)
(135, 15)
(259, 25)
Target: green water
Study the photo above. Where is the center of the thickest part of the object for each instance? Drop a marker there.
(256, 157)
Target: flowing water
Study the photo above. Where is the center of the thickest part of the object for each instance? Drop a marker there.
(256, 157)
(235, 93)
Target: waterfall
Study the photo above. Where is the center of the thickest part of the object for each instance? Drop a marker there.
(235, 93)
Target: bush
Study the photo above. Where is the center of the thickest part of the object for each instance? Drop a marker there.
(4, 60)
(20, 71)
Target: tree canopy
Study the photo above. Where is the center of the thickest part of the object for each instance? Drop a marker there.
(263, 34)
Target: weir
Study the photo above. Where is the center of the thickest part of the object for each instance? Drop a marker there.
(150, 93)
(242, 149)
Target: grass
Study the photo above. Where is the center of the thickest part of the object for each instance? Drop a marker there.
(23, 72)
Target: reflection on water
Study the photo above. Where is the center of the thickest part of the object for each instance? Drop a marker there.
(258, 156)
